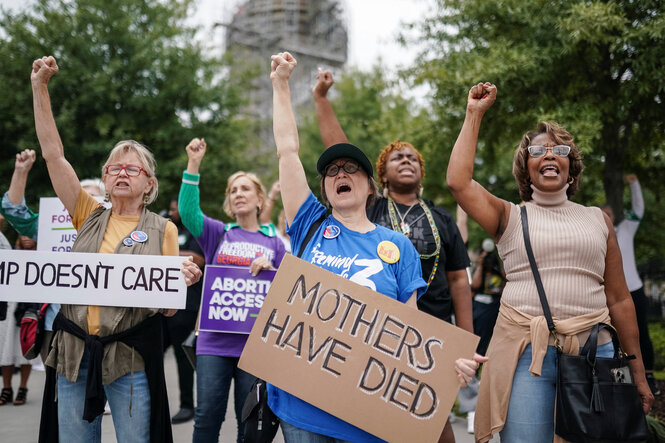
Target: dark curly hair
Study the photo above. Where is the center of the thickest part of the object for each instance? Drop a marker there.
(385, 152)
(561, 137)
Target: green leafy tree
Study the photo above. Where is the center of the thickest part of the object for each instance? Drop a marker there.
(129, 69)
(594, 66)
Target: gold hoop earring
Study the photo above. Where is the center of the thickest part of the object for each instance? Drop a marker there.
(146, 199)
(571, 180)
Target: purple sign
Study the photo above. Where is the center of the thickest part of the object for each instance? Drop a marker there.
(232, 298)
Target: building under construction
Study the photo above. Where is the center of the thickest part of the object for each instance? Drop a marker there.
(312, 30)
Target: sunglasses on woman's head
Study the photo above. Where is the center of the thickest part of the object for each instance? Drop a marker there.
(349, 166)
(537, 151)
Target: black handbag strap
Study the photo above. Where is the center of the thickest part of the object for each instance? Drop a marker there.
(536, 274)
(591, 344)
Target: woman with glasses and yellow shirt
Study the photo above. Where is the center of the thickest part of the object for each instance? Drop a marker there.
(106, 353)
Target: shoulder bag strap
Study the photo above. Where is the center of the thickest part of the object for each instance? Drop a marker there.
(536, 274)
(310, 234)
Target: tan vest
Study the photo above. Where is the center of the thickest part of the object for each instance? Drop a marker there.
(119, 359)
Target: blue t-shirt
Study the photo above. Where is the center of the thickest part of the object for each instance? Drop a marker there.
(354, 256)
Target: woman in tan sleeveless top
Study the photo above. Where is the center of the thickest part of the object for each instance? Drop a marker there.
(579, 262)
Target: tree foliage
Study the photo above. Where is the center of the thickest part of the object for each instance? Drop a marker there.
(129, 69)
(596, 67)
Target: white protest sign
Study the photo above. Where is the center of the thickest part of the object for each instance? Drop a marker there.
(55, 230)
(147, 281)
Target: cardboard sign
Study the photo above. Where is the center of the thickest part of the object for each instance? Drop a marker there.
(147, 281)
(54, 229)
(368, 359)
(232, 298)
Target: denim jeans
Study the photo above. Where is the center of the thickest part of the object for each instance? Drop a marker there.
(213, 381)
(293, 434)
(129, 426)
(531, 408)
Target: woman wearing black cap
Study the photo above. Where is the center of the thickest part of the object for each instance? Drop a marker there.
(347, 187)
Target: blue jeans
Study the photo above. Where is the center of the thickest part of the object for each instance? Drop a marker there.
(531, 408)
(130, 426)
(213, 381)
(293, 434)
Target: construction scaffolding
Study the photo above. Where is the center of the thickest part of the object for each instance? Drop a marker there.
(312, 30)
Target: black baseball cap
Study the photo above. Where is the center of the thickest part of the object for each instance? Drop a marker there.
(341, 150)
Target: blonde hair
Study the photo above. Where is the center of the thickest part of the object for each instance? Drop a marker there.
(94, 183)
(260, 190)
(146, 159)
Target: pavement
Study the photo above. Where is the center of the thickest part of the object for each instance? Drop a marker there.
(20, 424)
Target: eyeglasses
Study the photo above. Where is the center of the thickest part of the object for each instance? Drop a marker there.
(130, 170)
(349, 166)
(537, 151)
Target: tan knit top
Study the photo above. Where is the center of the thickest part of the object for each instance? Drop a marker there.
(569, 244)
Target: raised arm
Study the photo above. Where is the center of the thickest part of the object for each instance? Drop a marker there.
(636, 199)
(477, 278)
(489, 211)
(331, 130)
(265, 216)
(292, 178)
(188, 199)
(65, 182)
(22, 166)
(462, 224)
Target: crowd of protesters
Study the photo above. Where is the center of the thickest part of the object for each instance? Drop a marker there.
(111, 357)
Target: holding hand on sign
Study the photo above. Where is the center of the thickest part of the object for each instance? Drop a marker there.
(192, 273)
(467, 368)
(246, 244)
(123, 362)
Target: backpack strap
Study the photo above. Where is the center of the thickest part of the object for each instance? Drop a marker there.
(310, 234)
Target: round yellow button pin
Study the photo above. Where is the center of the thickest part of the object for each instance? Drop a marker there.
(388, 251)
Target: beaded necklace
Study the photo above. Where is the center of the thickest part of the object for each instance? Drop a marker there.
(392, 212)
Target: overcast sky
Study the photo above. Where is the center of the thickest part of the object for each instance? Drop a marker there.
(372, 24)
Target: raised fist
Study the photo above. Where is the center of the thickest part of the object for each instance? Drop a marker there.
(25, 160)
(324, 80)
(43, 69)
(196, 149)
(481, 97)
(281, 66)
(630, 178)
(275, 190)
